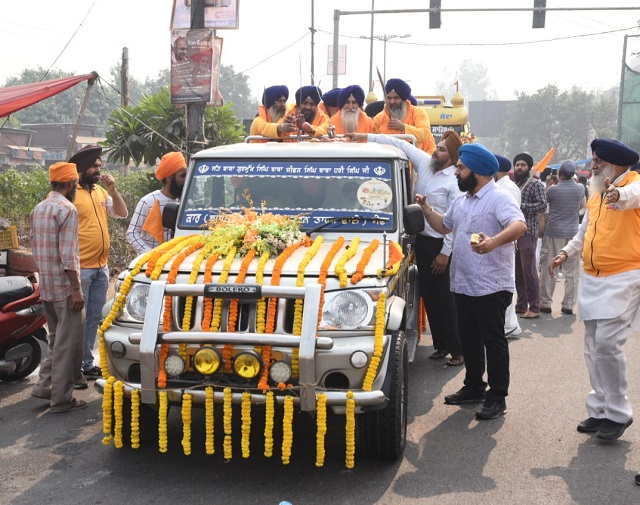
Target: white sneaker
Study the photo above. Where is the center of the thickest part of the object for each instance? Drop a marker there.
(513, 332)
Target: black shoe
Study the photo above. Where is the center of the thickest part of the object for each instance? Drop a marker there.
(80, 385)
(546, 310)
(93, 373)
(610, 430)
(465, 395)
(492, 409)
(569, 312)
(589, 425)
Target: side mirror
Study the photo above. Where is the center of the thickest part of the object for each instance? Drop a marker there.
(413, 219)
(170, 215)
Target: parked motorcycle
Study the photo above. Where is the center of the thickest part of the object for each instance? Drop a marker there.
(22, 323)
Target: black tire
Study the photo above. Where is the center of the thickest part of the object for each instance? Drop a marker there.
(28, 364)
(382, 434)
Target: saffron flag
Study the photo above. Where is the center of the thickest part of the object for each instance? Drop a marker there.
(542, 164)
(153, 224)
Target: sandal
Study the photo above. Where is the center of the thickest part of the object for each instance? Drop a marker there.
(456, 361)
(439, 355)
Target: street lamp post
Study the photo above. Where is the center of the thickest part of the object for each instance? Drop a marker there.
(384, 38)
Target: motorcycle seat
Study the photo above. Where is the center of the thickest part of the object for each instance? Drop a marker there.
(14, 288)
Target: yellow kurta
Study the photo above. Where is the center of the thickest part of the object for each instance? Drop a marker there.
(93, 228)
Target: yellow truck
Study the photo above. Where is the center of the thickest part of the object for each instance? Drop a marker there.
(443, 116)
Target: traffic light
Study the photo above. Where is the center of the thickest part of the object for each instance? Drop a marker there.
(434, 13)
(539, 12)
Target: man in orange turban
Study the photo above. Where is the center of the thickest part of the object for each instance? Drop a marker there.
(54, 241)
(145, 229)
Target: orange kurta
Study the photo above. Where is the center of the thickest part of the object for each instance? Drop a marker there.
(264, 125)
(320, 123)
(416, 123)
(364, 123)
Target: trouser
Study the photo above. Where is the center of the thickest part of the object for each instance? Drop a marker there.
(95, 283)
(527, 280)
(481, 323)
(59, 369)
(550, 248)
(438, 299)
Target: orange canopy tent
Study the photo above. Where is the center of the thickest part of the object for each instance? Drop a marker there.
(14, 98)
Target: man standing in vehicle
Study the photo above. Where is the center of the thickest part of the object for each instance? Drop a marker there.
(54, 239)
(270, 120)
(351, 118)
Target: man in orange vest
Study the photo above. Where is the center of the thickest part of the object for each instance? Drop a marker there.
(400, 116)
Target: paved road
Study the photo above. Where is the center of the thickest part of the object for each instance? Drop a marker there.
(533, 455)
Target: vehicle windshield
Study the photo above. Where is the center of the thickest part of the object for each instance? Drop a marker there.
(361, 192)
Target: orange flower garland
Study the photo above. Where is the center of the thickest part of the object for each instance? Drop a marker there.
(395, 260)
(364, 261)
(193, 277)
(224, 275)
(372, 369)
(162, 373)
(159, 250)
(207, 313)
(166, 256)
(261, 306)
(340, 270)
(233, 305)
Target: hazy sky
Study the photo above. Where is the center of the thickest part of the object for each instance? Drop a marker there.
(273, 43)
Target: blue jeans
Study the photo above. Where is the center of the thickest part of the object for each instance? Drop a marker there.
(95, 282)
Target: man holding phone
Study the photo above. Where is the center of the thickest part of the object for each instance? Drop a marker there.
(94, 204)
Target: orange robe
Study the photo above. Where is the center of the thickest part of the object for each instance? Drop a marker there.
(416, 123)
(320, 123)
(364, 123)
(264, 125)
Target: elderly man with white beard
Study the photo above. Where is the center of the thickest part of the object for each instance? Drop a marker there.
(351, 118)
(271, 120)
(609, 296)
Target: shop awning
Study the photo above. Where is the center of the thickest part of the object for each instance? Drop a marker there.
(14, 98)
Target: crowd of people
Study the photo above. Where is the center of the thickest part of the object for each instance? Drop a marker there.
(478, 248)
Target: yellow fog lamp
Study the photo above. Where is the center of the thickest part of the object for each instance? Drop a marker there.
(247, 365)
(207, 360)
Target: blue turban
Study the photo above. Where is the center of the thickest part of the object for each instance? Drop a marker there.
(523, 157)
(274, 93)
(614, 152)
(400, 87)
(504, 165)
(330, 98)
(413, 100)
(478, 158)
(313, 92)
(355, 90)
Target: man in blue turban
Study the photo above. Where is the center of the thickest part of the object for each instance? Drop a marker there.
(305, 113)
(485, 222)
(270, 120)
(351, 117)
(329, 104)
(401, 116)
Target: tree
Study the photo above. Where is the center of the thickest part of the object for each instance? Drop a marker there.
(235, 90)
(560, 119)
(473, 81)
(145, 132)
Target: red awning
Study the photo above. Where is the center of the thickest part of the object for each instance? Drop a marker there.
(15, 98)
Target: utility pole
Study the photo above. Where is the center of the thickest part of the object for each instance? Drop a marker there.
(195, 111)
(124, 77)
(312, 29)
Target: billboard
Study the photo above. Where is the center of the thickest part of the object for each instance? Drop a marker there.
(217, 14)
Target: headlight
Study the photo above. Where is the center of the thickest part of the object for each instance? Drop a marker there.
(347, 310)
(280, 371)
(136, 305)
(247, 365)
(174, 365)
(207, 361)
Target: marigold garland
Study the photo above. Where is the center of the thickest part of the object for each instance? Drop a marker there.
(159, 250)
(207, 312)
(246, 423)
(321, 427)
(287, 429)
(166, 256)
(269, 413)
(261, 306)
(186, 424)
(423, 319)
(224, 275)
(350, 431)
(163, 440)
(193, 277)
(372, 369)
(395, 260)
(118, 394)
(107, 405)
(227, 418)
(208, 417)
(135, 419)
(350, 252)
(364, 261)
(162, 372)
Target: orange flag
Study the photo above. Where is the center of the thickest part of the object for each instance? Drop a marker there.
(542, 164)
(153, 223)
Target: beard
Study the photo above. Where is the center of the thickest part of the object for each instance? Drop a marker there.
(174, 188)
(596, 184)
(398, 113)
(350, 120)
(468, 183)
(520, 177)
(276, 112)
(309, 115)
(89, 181)
(435, 165)
(71, 195)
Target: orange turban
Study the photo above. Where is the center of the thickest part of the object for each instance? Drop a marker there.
(170, 164)
(63, 172)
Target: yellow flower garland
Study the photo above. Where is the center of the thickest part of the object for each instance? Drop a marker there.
(261, 309)
(372, 369)
(135, 419)
(176, 249)
(227, 417)
(246, 423)
(340, 269)
(224, 275)
(107, 405)
(163, 441)
(268, 424)
(350, 431)
(208, 416)
(287, 429)
(193, 276)
(186, 424)
(321, 427)
(118, 394)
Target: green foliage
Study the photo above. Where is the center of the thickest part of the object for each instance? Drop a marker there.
(473, 80)
(560, 119)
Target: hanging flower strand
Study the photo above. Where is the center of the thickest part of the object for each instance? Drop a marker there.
(364, 261)
(351, 251)
(372, 369)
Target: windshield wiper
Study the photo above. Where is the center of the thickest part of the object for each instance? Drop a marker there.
(331, 220)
